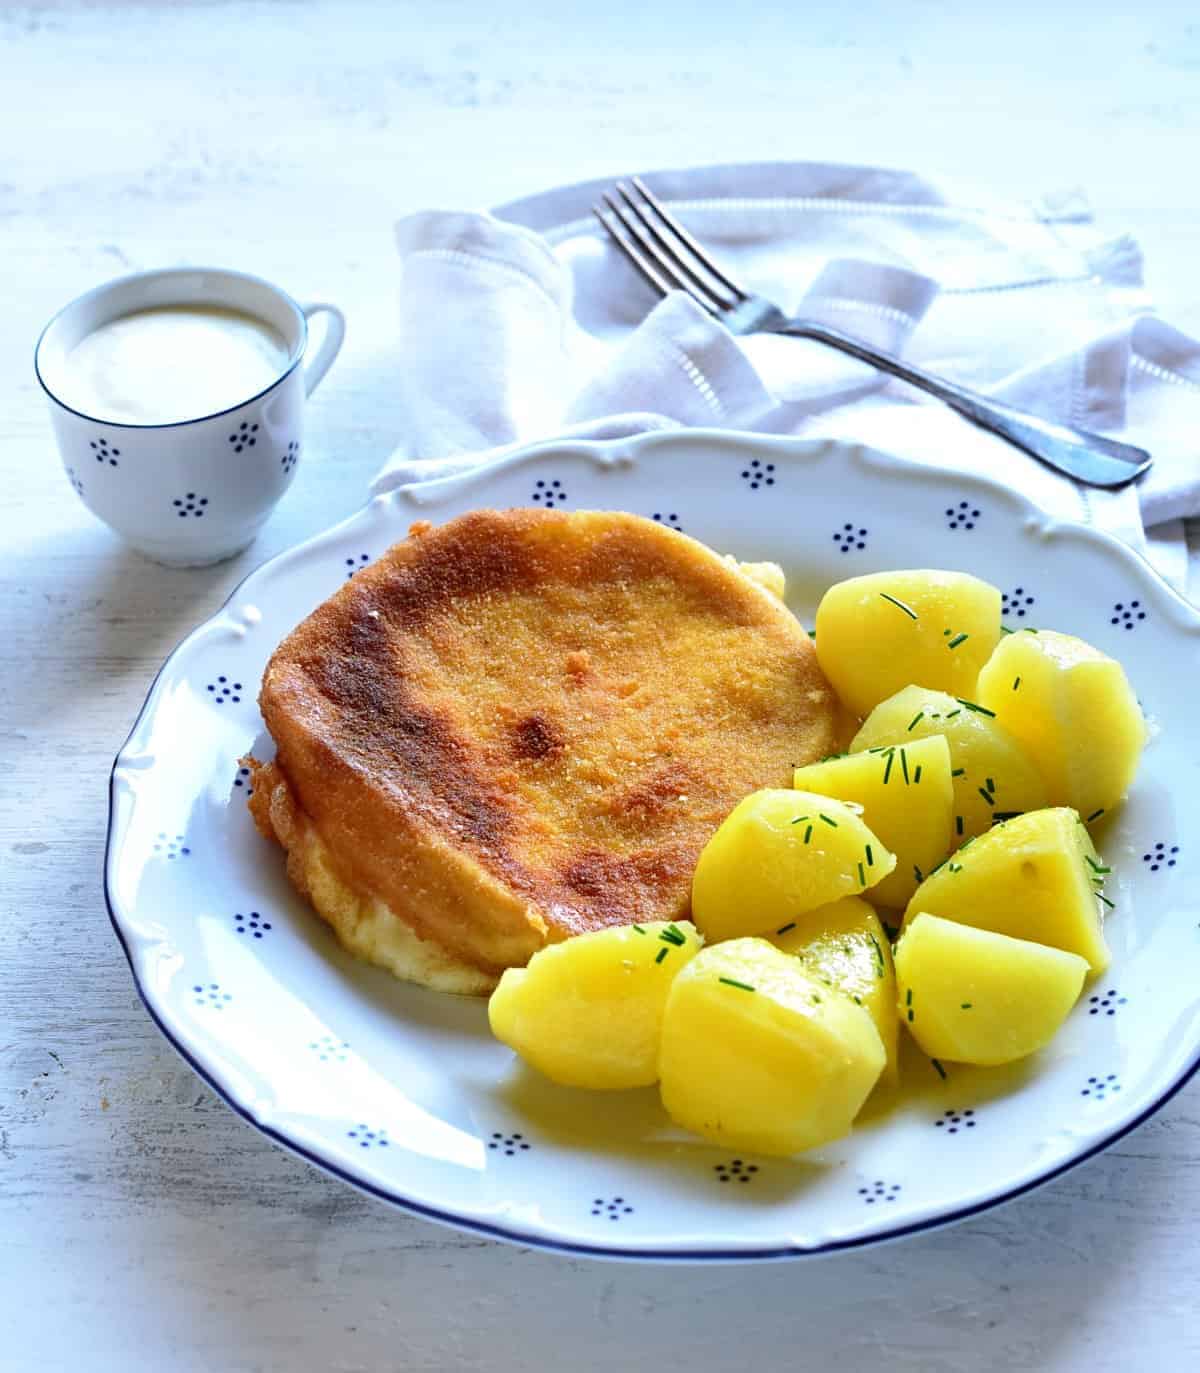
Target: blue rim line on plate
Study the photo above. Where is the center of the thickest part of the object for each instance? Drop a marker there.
(610, 453)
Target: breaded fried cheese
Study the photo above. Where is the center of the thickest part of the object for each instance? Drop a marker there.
(521, 725)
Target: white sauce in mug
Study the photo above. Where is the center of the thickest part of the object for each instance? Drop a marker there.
(171, 363)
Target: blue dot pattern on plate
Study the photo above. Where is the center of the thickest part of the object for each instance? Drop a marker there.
(252, 924)
(671, 520)
(548, 493)
(1127, 614)
(1161, 856)
(850, 536)
(962, 516)
(105, 453)
(244, 436)
(614, 1209)
(354, 565)
(758, 474)
(508, 1145)
(172, 847)
(879, 1191)
(243, 780)
(191, 504)
(211, 996)
(223, 690)
(1105, 1002)
(290, 457)
(330, 1049)
(1099, 1087)
(1017, 602)
(368, 1139)
(73, 478)
(954, 1121)
(735, 1171)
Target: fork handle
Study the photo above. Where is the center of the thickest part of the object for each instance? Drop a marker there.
(1089, 458)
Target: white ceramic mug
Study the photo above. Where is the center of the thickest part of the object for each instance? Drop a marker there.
(196, 491)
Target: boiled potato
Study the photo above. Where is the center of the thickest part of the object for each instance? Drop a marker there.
(991, 772)
(844, 944)
(878, 633)
(588, 1012)
(1073, 708)
(975, 996)
(907, 796)
(1035, 877)
(758, 1053)
(780, 853)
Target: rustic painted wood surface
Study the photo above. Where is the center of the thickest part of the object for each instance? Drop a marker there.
(141, 1224)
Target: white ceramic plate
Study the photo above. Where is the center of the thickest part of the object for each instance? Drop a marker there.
(403, 1092)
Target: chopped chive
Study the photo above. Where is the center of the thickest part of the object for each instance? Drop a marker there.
(976, 707)
(733, 982)
(828, 821)
(958, 824)
(1106, 901)
(858, 1000)
(1095, 867)
(812, 633)
(1016, 683)
(870, 859)
(662, 953)
(958, 639)
(815, 999)
(951, 714)
(917, 873)
(639, 929)
(881, 748)
(862, 877)
(939, 867)
(908, 610)
(915, 721)
(1003, 630)
(991, 786)
(887, 770)
(987, 796)
(783, 929)
(880, 966)
(1030, 631)
(999, 816)
(966, 1006)
(808, 834)
(954, 867)
(904, 765)
(958, 772)
(940, 1069)
(1095, 815)
(908, 998)
(910, 1017)
(917, 775)
(798, 819)
(890, 930)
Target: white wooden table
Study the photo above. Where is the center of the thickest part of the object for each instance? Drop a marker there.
(142, 1226)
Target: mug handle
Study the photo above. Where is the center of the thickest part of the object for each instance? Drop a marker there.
(328, 348)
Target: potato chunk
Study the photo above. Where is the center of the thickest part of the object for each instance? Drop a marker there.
(1035, 877)
(768, 575)
(907, 796)
(757, 1053)
(975, 996)
(1073, 708)
(844, 943)
(588, 1012)
(992, 774)
(878, 633)
(780, 853)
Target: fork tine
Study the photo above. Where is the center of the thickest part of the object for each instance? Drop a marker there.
(666, 264)
(669, 255)
(634, 254)
(677, 228)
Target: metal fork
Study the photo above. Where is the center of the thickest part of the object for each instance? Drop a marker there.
(671, 259)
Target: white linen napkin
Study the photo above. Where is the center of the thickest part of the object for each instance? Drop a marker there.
(510, 335)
